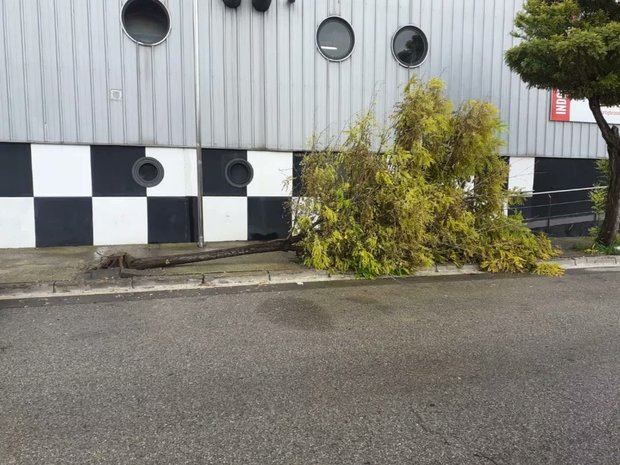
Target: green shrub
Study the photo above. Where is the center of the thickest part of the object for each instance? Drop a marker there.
(430, 189)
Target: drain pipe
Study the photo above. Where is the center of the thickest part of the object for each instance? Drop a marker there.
(200, 188)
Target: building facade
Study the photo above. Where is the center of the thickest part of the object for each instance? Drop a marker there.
(103, 103)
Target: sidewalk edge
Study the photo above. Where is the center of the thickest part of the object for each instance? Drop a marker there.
(140, 284)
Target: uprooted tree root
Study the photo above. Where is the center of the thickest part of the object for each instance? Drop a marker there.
(137, 263)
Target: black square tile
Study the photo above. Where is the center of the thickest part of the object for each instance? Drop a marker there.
(268, 218)
(111, 170)
(172, 219)
(63, 221)
(214, 163)
(552, 174)
(297, 184)
(15, 170)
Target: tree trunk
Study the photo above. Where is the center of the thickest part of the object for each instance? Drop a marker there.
(609, 229)
(127, 261)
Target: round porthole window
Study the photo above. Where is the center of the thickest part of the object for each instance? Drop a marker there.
(410, 46)
(239, 173)
(335, 39)
(145, 21)
(148, 172)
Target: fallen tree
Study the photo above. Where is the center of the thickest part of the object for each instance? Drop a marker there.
(429, 189)
(145, 263)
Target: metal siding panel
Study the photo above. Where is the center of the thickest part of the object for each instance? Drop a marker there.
(454, 88)
(5, 128)
(13, 43)
(81, 27)
(244, 76)
(68, 79)
(346, 69)
(161, 109)
(321, 96)
(98, 72)
(309, 56)
(186, 76)
(380, 44)
(257, 58)
(367, 41)
(114, 70)
(131, 91)
(271, 78)
(217, 77)
(392, 91)
(34, 74)
(177, 118)
(356, 81)
(283, 38)
(297, 76)
(51, 84)
(231, 101)
(146, 94)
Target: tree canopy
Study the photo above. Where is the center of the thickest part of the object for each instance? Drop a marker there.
(570, 45)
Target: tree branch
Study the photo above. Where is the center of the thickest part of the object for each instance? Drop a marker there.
(609, 134)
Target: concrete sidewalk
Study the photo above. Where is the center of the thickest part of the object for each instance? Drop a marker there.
(48, 272)
(69, 270)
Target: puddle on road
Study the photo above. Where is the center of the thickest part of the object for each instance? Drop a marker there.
(296, 313)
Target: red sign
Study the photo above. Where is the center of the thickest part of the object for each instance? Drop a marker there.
(578, 111)
(560, 107)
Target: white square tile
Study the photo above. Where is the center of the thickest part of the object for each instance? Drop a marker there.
(273, 173)
(522, 173)
(225, 219)
(180, 178)
(120, 220)
(17, 227)
(61, 171)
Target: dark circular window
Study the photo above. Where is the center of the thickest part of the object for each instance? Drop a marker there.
(410, 46)
(335, 39)
(239, 172)
(146, 21)
(148, 172)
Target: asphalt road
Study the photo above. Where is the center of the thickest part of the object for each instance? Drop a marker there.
(506, 370)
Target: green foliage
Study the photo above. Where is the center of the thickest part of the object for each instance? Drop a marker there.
(600, 249)
(548, 269)
(599, 196)
(599, 202)
(570, 45)
(429, 190)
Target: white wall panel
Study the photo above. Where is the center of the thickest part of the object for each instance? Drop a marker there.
(264, 84)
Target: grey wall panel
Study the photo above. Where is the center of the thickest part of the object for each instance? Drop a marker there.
(264, 84)
(5, 129)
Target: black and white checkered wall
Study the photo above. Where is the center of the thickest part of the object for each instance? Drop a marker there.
(61, 195)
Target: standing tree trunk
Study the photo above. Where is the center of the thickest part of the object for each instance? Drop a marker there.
(609, 229)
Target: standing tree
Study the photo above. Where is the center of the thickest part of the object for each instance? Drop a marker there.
(574, 46)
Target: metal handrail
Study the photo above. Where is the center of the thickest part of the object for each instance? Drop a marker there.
(532, 193)
(549, 205)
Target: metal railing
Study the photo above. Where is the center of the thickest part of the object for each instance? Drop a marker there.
(548, 218)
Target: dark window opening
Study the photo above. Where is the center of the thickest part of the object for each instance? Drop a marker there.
(410, 46)
(146, 21)
(148, 172)
(239, 173)
(335, 39)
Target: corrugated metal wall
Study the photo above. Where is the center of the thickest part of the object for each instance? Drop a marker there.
(264, 84)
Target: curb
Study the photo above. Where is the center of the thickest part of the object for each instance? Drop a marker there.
(151, 283)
